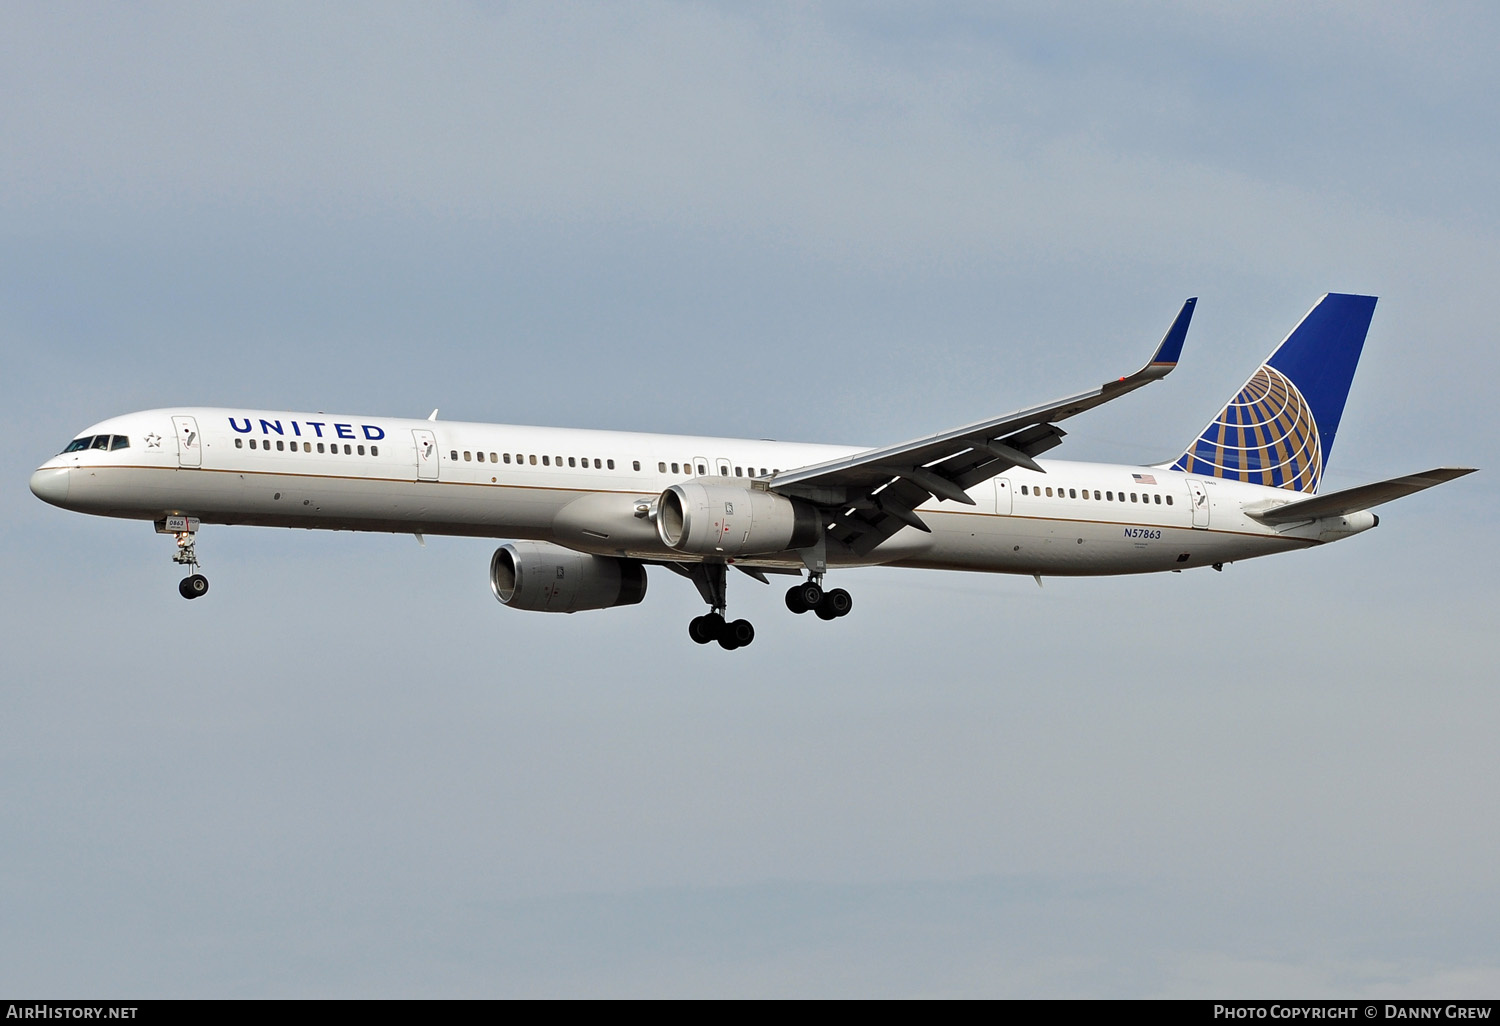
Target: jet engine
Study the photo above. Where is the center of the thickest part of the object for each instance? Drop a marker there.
(712, 519)
(551, 579)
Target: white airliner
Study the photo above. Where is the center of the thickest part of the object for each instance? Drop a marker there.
(589, 510)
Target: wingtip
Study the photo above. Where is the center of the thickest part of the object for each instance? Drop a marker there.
(1170, 350)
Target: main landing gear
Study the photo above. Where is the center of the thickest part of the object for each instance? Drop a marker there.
(712, 626)
(185, 530)
(810, 596)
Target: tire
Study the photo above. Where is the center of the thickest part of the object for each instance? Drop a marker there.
(794, 599)
(742, 631)
(698, 632)
(193, 587)
(810, 594)
(840, 601)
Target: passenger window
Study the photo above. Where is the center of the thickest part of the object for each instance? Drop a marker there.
(675, 470)
(280, 446)
(479, 456)
(362, 451)
(723, 471)
(320, 446)
(239, 443)
(493, 458)
(636, 464)
(1072, 493)
(468, 456)
(571, 462)
(1096, 493)
(661, 468)
(533, 461)
(1133, 498)
(610, 464)
(1158, 500)
(374, 449)
(739, 471)
(546, 461)
(1169, 500)
(507, 457)
(453, 455)
(1049, 491)
(702, 470)
(597, 465)
(1109, 496)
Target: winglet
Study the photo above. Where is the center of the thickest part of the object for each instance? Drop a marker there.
(1171, 343)
(1165, 357)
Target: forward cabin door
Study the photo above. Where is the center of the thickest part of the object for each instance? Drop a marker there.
(427, 454)
(189, 443)
(1200, 502)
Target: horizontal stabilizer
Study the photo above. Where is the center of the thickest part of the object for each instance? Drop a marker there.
(1352, 500)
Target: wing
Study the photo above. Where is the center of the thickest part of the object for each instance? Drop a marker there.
(1353, 500)
(872, 495)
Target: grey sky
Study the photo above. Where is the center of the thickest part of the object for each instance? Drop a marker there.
(350, 772)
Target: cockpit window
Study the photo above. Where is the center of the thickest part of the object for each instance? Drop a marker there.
(107, 442)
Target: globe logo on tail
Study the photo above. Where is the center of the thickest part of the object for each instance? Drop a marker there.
(1266, 435)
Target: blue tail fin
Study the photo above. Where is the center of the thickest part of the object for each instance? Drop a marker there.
(1278, 430)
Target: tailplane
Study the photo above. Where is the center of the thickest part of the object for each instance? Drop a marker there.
(1278, 429)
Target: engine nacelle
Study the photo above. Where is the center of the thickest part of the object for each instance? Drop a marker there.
(551, 579)
(712, 519)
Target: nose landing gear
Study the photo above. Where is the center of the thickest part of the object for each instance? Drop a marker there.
(185, 530)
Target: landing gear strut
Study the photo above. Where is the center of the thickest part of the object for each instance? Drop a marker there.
(712, 626)
(185, 530)
(810, 596)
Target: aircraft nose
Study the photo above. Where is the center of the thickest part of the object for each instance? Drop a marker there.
(50, 484)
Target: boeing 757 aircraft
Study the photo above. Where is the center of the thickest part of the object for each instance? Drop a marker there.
(588, 511)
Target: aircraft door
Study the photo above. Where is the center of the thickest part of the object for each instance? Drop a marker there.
(1002, 496)
(1200, 502)
(427, 454)
(189, 444)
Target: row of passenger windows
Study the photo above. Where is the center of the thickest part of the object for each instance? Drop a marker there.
(546, 461)
(333, 447)
(687, 468)
(110, 442)
(1083, 493)
(585, 462)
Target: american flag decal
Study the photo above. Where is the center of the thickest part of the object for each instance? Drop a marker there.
(1144, 478)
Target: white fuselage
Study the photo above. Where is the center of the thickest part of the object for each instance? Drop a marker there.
(595, 491)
